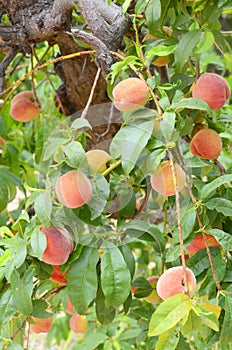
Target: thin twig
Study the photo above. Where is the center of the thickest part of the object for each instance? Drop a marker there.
(144, 203)
(20, 328)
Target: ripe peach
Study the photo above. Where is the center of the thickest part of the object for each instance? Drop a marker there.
(162, 179)
(97, 159)
(41, 325)
(171, 282)
(58, 276)
(198, 243)
(78, 323)
(73, 189)
(213, 89)
(59, 245)
(153, 298)
(161, 61)
(69, 307)
(206, 144)
(24, 108)
(130, 94)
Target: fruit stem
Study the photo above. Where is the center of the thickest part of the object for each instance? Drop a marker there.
(177, 197)
(112, 167)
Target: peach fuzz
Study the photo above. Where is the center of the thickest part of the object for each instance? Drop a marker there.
(206, 144)
(73, 189)
(198, 243)
(78, 323)
(171, 282)
(41, 325)
(162, 179)
(213, 89)
(97, 160)
(58, 276)
(59, 245)
(130, 94)
(24, 108)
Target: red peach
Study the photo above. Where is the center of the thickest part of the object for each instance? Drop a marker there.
(41, 325)
(198, 243)
(171, 282)
(130, 94)
(69, 307)
(73, 189)
(58, 276)
(162, 179)
(59, 245)
(23, 107)
(213, 89)
(206, 144)
(78, 323)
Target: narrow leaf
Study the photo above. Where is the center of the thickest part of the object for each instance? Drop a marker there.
(186, 46)
(227, 322)
(221, 205)
(21, 294)
(210, 187)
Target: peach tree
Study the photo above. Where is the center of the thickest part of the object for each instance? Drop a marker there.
(115, 174)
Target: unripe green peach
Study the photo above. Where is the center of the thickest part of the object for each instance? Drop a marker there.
(130, 94)
(78, 323)
(206, 144)
(73, 189)
(97, 160)
(162, 179)
(59, 245)
(172, 282)
(24, 108)
(41, 325)
(213, 89)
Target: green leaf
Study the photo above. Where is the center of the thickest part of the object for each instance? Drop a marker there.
(104, 314)
(192, 323)
(115, 276)
(21, 293)
(223, 238)
(98, 201)
(130, 141)
(168, 340)
(161, 50)
(6, 177)
(7, 306)
(39, 308)
(167, 125)
(213, 185)
(91, 341)
(205, 43)
(38, 242)
(153, 12)
(169, 313)
(153, 160)
(129, 258)
(80, 123)
(227, 322)
(200, 261)
(209, 318)
(186, 46)
(75, 154)
(221, 205)
(43, 208)
(82, 279)
(191, 103)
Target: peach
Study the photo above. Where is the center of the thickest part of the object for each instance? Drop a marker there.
(73, 189)
(206, 144)
(171, 282)
(97, 160)
(69, 307)
(41, 325)
(198, 243)
(213, 89)
(58, 276)
(162, 179)
(24, 107)
(153, 298)
(198, 127)
(130, 94)
(59, 245)
(161, 61)
(78, 323)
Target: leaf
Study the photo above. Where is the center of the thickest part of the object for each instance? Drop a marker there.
(153, 13)
(91, 341)
(104, 314)
(192, 323)
(200, 261)
(223, 238)
(153, 160)
(38, 242)
(21, 293)
(98, 201)
(209, 318)
(82, 279)
(167, 125)
(80, 123)
(186, 46)
(161, 50)
(227, 322)
(39, 308)
(215, 309)
(205, 43)
(210, 187)
(115, 276)
(43, 208)
(169, 313)
(191, 103)
(221, 205)
(75, 154)
(7, 306)
(130, 141)
(129, 258)
(168, 340)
